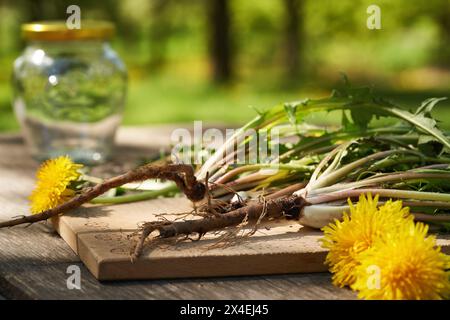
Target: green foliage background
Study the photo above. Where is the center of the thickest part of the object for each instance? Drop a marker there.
(165, 46)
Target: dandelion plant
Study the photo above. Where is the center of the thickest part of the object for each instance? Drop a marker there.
(311, 177)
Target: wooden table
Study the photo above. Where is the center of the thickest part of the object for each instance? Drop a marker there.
(34, 259)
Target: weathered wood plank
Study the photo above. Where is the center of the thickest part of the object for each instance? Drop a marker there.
(36, 269)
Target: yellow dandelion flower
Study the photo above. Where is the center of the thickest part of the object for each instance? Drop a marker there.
(53, 180)
(357, 231)
(404, 265)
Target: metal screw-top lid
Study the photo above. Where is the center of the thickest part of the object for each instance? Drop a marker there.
(58, 30)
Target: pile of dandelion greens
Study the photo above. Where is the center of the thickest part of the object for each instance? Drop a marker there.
(315, 172)
(407, 160)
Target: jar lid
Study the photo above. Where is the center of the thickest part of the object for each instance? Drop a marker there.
(58, 30)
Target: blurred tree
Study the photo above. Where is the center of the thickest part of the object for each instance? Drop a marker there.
(443, 50)
(127, 29)
(36, 10)
(293, 36)
(220, 40)
(159, 33)
(49, 9)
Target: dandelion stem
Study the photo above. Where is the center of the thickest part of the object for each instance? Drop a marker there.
(388, 193)
(377, 180)
(144, 195)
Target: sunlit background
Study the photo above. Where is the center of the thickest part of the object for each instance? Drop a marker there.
(212, 59)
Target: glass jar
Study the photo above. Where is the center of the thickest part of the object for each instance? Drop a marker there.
(69, 90)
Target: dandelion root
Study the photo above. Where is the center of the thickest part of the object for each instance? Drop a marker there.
(290, 207)
(182, 175)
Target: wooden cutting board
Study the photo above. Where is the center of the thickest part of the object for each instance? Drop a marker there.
(99, 235)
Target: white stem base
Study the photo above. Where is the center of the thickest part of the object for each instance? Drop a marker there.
(318, 216)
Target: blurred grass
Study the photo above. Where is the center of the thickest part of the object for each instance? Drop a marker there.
(162, 98)
(167, 99)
